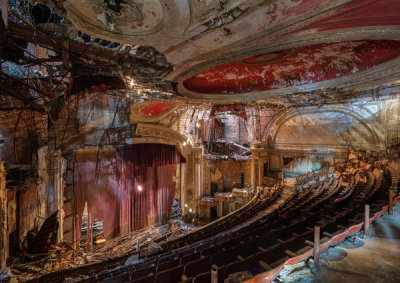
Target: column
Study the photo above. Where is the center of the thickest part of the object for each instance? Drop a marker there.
(183, 189)
(199, 165)
(253, 173)
(192, 182)
(58, 170)
(260, 171)
(3, 220)
(255, 168)
(198, 178)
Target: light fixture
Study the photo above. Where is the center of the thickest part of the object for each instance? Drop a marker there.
(184, 143)
(198, 125)
(186, 205)
(140, 188)
(190, 210)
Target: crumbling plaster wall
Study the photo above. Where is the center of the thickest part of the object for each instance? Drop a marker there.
(30, 209)
(327, 133)
(366, 124)
(34, 199)
(242, 127)
(215, 171)
(15, 141)
(323, 130)
(82, 123)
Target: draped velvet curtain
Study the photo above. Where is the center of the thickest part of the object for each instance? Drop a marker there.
(114, 196)
(96, 183)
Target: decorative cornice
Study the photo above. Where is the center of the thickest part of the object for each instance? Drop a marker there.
(256, 10)
(213, 59)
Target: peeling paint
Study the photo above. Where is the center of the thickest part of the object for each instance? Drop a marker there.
(308, 65)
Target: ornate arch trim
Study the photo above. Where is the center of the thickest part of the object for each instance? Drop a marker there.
(314, 110)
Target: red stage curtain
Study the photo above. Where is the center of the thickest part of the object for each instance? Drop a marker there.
(151, 166)
(115, 197)
(96, 182)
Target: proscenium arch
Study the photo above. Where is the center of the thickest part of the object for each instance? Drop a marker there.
(151, 133)
(296, 112)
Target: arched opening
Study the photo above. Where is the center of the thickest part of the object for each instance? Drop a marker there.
(323, 128)
(128, 188)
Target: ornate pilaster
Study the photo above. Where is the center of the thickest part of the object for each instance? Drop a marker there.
(260, 170)
(58, 170)
(198, 163)
(254, 173)
(257, 165)
(193, 190)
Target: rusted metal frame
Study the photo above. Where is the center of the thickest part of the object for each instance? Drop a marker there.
(30, 101)
(22, 82)
(42, 38)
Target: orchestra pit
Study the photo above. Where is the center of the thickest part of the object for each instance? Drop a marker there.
(199, 141)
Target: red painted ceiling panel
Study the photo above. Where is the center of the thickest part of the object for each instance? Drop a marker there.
(310, 64)
(155, 108)
(361, 13)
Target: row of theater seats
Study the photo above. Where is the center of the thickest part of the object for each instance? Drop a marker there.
(264, 198)
(332, 199)
(200, 247)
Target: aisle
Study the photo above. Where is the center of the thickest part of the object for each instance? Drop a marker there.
(358, 259)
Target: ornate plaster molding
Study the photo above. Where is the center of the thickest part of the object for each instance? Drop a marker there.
(215, 58)
(258, 13)
(151, 133)
(148, 22)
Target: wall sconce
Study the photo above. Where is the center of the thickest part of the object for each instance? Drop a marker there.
(140, 188)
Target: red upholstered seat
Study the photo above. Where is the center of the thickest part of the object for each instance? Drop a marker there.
(193, 268)
(172, 275)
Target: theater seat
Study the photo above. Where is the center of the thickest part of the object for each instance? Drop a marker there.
(172, 275)
(148, 279)
(203, 278)
(193, 268)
